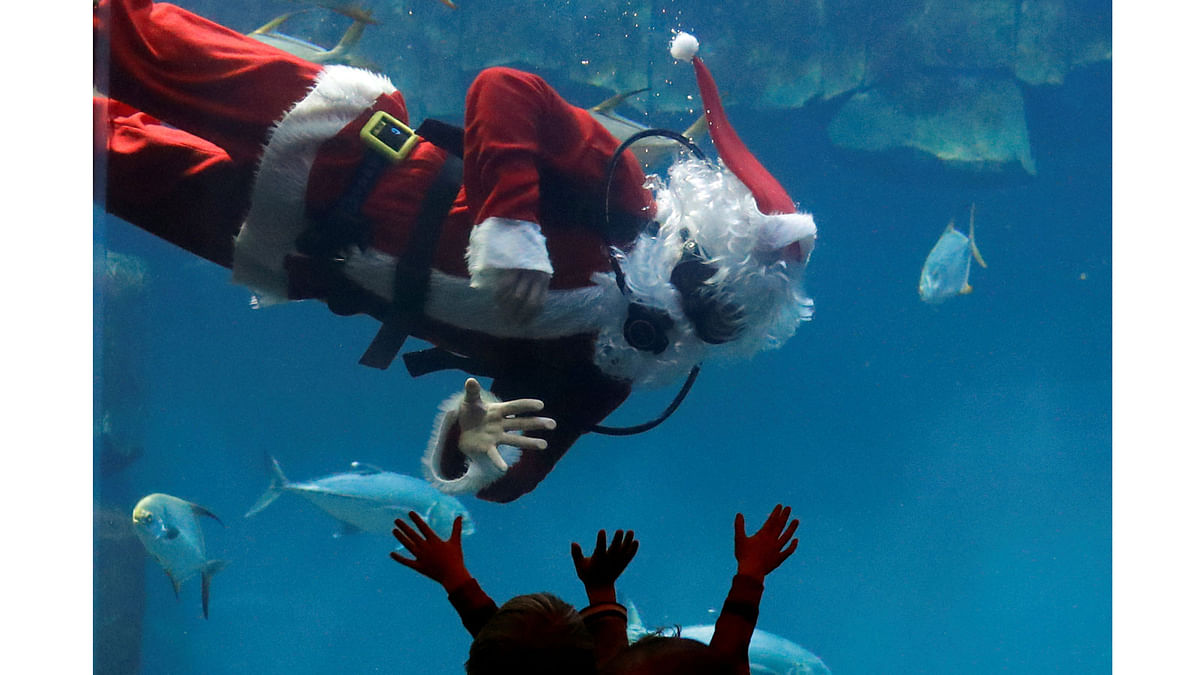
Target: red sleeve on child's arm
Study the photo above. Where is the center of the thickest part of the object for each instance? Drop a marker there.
(474, 607)
(739, 614)
(606, 621)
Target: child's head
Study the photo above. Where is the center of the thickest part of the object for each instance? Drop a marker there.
(536, 633)
(657, 654)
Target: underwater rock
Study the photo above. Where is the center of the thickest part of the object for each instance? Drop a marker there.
(821, 54)
(771, 55)
(119, 593)
(966, 122)
(955, 35)
(1057, 36)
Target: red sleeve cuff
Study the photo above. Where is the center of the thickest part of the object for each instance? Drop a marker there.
(607, 622)
(603, 609)
(739, 614)
(748, 587)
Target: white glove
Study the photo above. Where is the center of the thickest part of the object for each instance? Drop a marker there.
(483, 425)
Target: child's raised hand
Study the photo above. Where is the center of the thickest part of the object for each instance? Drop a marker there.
(758, 555)
(439, 560)
(601, 569)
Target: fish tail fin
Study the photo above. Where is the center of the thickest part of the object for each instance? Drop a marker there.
(278, 21)
(635, 625)
(278, 481)
(697, 128)
(210, 568)
(352, 35)
(971, 239)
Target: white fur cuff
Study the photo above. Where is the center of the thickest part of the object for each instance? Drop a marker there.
(479, 474)
(781, 229)
(506, 244)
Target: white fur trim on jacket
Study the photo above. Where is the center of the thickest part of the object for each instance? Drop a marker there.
(505, 244)
(277, 205)
(479, 474)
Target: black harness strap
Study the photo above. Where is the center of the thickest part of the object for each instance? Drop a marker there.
(343, 225)
(446, 136)
(410, 286)
(437, 359)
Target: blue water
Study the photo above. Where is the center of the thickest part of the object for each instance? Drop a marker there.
(951, 465)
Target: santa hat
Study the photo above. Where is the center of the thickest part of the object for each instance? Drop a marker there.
(787, 231)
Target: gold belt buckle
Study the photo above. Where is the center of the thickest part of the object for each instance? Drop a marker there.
(389, 136)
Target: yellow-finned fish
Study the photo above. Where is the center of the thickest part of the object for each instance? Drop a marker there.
(649, 150)
(269, 34)
(948, 266)
(169, 528)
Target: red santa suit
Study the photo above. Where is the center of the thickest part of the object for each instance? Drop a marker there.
(533, 171)
(532, 196)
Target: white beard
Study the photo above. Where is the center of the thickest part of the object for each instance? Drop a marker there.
(719, 212)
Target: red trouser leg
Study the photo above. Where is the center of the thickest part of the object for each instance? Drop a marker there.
(219, 91)
(168, 182)
(196, 75)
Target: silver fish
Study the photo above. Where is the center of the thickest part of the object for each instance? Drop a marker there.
(269, 34)
(948, 265)
(169, 528)
(651, 150)
(369, 499)
(769, 653)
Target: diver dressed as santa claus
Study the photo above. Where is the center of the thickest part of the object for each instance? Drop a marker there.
(543, 258)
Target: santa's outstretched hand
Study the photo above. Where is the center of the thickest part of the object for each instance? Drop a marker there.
(484, 425)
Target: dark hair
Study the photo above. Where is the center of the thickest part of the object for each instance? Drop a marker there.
(537, 633)
(659, 654)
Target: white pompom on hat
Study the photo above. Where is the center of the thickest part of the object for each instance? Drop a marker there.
(684, 46)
